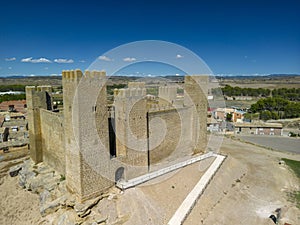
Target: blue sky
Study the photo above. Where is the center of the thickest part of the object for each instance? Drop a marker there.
(232, 37)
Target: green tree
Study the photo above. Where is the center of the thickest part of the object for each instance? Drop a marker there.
(229, 117)
(7, 97)
(265, 115)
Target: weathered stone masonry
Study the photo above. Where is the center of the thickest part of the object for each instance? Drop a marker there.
(90, 161)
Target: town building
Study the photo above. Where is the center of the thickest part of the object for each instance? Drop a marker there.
(258, 128)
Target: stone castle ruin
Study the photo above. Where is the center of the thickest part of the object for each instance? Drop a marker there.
(94, 144)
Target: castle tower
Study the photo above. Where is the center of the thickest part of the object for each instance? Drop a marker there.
(195, 91)
(84, 163)
(167, 93)
(36, 99)
(131, 124)
(70, 81)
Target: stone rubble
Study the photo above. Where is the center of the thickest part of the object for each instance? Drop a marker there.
(14, 171)
(57, 205)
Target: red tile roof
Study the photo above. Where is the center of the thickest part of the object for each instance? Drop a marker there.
(18, 105)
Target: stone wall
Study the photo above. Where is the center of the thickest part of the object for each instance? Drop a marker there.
(131, 125)
(195, 96)
(53, 144)
(164, 134)
(86, 133)
(168, 93)
(170, 134)
(37, 98)
(70, 81)
(77, 143)
(131, 129)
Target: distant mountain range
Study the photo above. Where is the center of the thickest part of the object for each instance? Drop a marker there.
(256, 76)
(234, 76)
(29, 76)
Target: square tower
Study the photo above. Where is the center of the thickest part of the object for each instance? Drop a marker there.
(195, 96)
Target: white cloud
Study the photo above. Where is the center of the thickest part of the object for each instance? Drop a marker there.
(105, 58)
(63, 60)
(40, 60)
(82, 61)
(10, 59)
(178, 56)
(26, 59)
(129, 59)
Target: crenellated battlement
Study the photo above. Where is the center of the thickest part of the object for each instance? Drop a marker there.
(34, 89)
(167, 89)
(130, 92)
(31, 88)
(168, 93)
(94, 75)
(44, 88)
(72, 75)
(76, 75)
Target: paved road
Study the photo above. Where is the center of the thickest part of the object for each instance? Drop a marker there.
(287, 144)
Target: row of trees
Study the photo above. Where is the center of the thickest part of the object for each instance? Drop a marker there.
(238, 91)
(13, 87)
(292, 94)
(276, 108)
(8, 97)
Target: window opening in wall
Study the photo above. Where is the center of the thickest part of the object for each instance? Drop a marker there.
(112, 137)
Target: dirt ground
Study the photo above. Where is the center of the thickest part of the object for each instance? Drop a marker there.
(17, 206)
(263, 82)
(247, 189)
